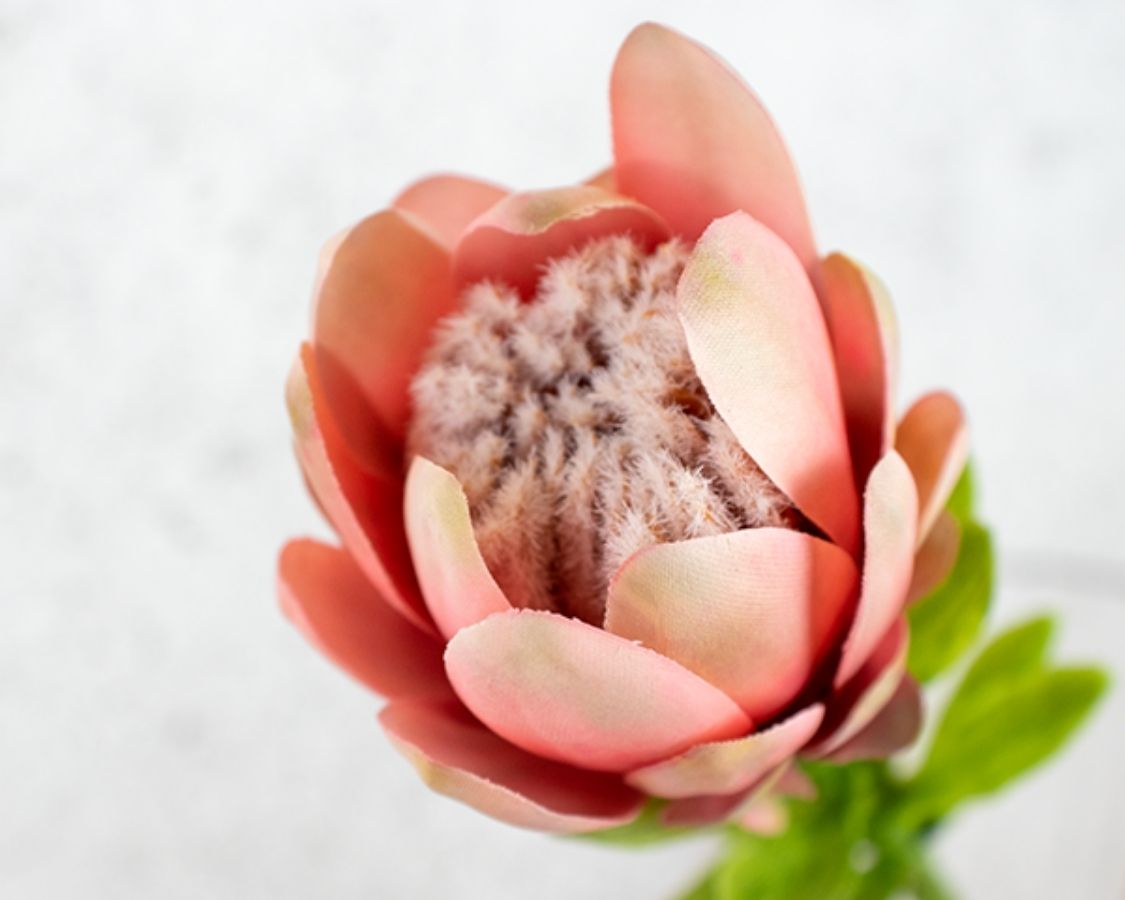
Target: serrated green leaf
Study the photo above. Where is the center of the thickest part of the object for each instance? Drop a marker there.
(945, 624)
(962, 501)
(644, 830)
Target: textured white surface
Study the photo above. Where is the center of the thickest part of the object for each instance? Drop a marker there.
(167, 172)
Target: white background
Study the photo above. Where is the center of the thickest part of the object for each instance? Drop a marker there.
(167, 172)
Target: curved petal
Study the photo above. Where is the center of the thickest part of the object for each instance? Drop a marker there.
(460, 758)
(709, 809)
(571, 692)
(606, 179)
(895, 728)
(890, 517)
(514, 239)
(935, 558)
(384, 285)
(861, 323)
(332, 602)
(456, 584)
(365, 508)
(758, 340)
(729, 766)
(694, 143)
(766, 816)
(934, 440)
(448, 203)
(753, 611)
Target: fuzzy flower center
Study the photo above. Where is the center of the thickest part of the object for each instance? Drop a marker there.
(579, 429)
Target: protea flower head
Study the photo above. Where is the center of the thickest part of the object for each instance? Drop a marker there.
(624, 508)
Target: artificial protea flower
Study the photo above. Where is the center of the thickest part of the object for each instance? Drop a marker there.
(624, 508)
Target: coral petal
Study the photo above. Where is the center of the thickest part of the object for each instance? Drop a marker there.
(861, 323)
(365, 508)
(709, 809)
(759, 343)
(459, 757)
(568, 691)
(514, 240)
(606, 179)
(934, 440)
(935, 558)
(384, 285)
(725, 767)
(448, 203)
(458, 588)
(890, 517)
(694, 143)
(895, 728)
(753, 611)
(334, 604)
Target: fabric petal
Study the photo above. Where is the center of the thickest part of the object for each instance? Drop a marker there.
(710, 809)
(568, 691)
(456, 584)
(334, 604)
(895, 728)
(606, 179)
(729, 766)
(514, 240)
(448, 203)
(934, 440)
(460, 758)
(759, 343)
(890, 518)
(753, 612)
(694, 143)
(935, 558)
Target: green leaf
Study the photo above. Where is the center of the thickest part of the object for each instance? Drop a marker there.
(945, 624)
(962, 501)
(1018, 652)
(644, 830)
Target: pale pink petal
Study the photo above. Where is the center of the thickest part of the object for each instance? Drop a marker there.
(759, 343)
(895, 728)
(864, 334)
(795, 783)
(725, 767)
(890, 518)
(935, 558)
(934, 440)
(458, 588)
(448, 203)
(694, 143)
(563, 689)
(459, 757)
(765, 816)
(513, 241)
(383, 287)
(753, 612)
(365, 508)
(709, 809)
(605, 179)
(334, 604)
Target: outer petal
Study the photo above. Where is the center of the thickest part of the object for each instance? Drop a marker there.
(456, 583)
(890, 518)
(448, 203)
(936, 557)
(758, 340)
(384, 286)
(515, 239)
(692, 141)
(568, 691)
(864, 335)
(365, 508)
(458, 757)
(326, 595)
(753, 612)
(934, 440)
(708, 809)
(729, 766)
(895, 728)
(606, 179)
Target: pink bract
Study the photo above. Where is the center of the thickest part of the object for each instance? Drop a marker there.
(721, 659)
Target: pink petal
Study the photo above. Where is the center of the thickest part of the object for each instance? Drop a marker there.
(726, 767)
(694, 143)
(459, 589)
(568, 691)
(365, 508)
(934, 440)
(333, 603)
(709, 809)
(458, 757)
(448, 203)
(758, 340)
(606, 179)
(890, 517)
(895, 728)
(384, 286)
(864, 335)
(935, 558)
(514, 240)
(753, 612)
(766, 816)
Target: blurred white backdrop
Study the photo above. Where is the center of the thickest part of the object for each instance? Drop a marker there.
(167, 173)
